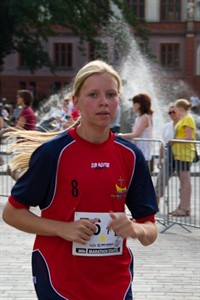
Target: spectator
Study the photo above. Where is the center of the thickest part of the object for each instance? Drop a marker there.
(195, 101)
(143, 127)
(65, 119)
(27, 119)
(184, 154)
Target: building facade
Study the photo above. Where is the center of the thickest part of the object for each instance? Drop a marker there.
(175, 38)
(174, 41)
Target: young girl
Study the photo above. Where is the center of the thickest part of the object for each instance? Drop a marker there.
(184, 154)
(81, 180)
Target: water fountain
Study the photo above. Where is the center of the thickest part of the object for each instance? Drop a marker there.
(139, 75)
(142, 75)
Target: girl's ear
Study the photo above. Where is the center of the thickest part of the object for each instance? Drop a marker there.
(75, 100)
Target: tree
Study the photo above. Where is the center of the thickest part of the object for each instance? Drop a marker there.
(26, 24)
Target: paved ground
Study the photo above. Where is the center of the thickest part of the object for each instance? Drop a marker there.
(167, 270)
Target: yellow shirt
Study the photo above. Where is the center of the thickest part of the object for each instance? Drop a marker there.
(184, 151)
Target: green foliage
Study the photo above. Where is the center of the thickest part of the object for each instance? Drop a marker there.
(26, 24)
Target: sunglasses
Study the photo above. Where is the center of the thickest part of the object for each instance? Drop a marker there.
(171, 112)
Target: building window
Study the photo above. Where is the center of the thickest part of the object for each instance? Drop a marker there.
(170, 10)
(63, 55)
(22, 85)
(32, 87)
(138, 7)
(170, 56)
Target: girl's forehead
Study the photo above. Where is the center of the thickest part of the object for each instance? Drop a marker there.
(102, 75)
(102, 78)
(102, 81)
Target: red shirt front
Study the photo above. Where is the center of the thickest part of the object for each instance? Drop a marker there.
(68, 175)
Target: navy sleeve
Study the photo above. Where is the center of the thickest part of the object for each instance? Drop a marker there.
(141, 198)
(36, 186)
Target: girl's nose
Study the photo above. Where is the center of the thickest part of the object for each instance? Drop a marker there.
(103, 100)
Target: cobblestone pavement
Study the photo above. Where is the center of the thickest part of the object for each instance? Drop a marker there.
(167, 270)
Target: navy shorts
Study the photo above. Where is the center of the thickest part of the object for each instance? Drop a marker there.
(182, 165)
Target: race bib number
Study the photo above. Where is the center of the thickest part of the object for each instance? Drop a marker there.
(104, 242)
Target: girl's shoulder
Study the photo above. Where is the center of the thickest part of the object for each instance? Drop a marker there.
(144, 117)
(187, 119)
(147, 118)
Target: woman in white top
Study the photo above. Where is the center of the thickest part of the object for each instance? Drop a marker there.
(143, 126)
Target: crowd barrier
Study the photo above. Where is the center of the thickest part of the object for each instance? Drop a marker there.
(6, 182)
(167, 189)
(171, 190)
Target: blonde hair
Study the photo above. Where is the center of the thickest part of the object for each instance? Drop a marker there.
(23, 144)
(28, 141)
(93, 67)
(183, 103)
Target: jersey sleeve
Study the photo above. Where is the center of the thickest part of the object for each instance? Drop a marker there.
(35, 187)
(141, 197)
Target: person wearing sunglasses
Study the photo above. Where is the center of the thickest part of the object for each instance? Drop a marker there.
(167, 135)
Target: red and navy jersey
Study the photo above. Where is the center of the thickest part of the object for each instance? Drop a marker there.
(67, 175)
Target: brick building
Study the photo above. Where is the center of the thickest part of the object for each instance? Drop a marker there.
(174, 40)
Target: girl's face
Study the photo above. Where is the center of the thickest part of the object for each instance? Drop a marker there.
(136, 107)
(98, 100)
(19, 100)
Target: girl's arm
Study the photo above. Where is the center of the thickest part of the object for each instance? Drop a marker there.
(20, 123)
(188, 133)
(23, 219)
(146, 232)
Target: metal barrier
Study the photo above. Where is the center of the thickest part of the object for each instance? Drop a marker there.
(181, 186)
(6, 182)
(166, 182)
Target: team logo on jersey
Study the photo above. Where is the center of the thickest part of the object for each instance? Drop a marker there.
(100, 165)
(120, 189)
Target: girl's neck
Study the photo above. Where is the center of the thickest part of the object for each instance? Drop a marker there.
(184, 114)
(93, 136)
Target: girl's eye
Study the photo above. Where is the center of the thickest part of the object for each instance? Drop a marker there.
(111, 95)
(93, 95)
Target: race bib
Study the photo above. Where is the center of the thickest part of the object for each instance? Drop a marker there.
(104, 242)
